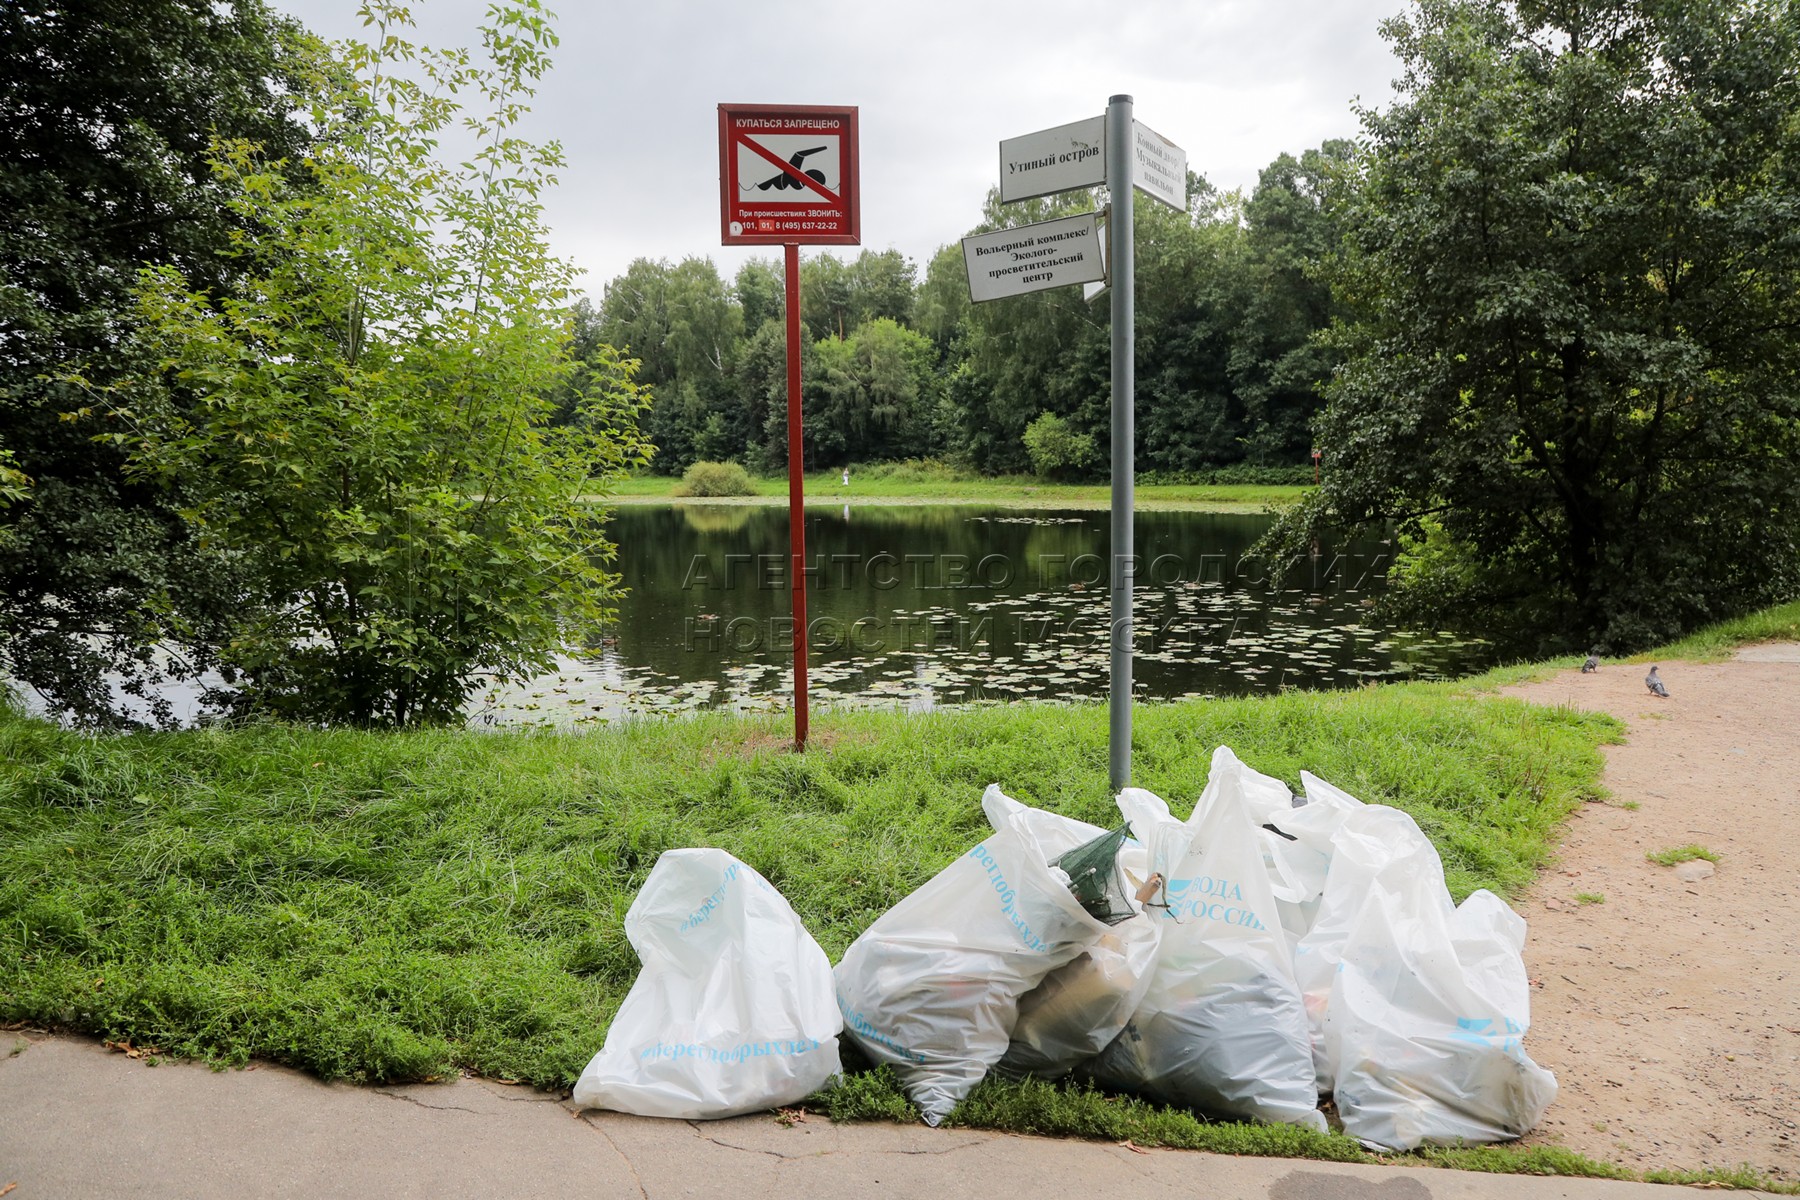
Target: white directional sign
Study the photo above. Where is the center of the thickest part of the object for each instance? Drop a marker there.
(1074, 156)
(1053, 160)
(1158, 167)
(1030, 258)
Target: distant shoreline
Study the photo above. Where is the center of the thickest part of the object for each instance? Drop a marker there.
(830, 493)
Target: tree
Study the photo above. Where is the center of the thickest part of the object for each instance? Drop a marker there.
(1575, 376)
(1279, 364)
(873, 395)
(1192, 296)
(942, 305)
(1015, 351)
(760, 293)
(837, 297)
(370, 417)
(680, 323)
(110, 108)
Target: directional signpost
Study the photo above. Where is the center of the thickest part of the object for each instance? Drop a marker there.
(1053, 160)
(788, 176)
(1029, 258)
(1117, 151)
(1158, 166)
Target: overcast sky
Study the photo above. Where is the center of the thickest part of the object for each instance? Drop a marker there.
(635, 92)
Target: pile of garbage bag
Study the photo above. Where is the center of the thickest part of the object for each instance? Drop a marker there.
(1265, 952)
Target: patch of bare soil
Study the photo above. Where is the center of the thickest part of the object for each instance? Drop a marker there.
(1670, 1009)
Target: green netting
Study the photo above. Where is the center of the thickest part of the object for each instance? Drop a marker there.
(1096, 878)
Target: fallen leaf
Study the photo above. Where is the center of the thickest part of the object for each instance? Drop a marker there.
(9, 1187)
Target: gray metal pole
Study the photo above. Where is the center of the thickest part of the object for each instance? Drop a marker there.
(1120, 253)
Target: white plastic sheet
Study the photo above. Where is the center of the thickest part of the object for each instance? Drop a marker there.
(733, 1010)
(933, 986)
(1221, 1027)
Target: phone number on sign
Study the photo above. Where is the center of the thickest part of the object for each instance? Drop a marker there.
(798, 226)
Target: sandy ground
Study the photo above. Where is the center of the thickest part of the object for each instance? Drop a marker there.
(1670, 1009)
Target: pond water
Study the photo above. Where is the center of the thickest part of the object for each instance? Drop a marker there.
(919, 606)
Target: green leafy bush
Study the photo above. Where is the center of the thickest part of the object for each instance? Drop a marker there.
(1055, 448)
(368, 433)
(716, 479)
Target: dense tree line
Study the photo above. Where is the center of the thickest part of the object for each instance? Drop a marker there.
(901, 366)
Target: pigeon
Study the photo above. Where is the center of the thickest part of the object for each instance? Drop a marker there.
(1655, 684)
(1591, 665)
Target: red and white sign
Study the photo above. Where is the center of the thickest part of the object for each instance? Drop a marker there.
(787, 176)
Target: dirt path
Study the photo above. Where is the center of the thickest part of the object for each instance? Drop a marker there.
(1670, 1011)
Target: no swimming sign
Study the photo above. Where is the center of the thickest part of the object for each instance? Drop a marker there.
(788, 175)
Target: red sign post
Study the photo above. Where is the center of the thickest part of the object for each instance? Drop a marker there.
(788, 177)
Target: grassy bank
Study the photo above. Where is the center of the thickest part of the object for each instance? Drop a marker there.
(1021, 491)
(1778, 624)
(398, 906)
(1714, 643)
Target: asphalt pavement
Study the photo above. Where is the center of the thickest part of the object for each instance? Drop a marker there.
(78, 1120)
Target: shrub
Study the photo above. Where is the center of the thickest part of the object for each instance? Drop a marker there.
(914, 470)
(1055, 448)
(716, 479)
(1236, 474)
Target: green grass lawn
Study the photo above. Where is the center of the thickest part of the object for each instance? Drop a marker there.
(391, 906)
(399, 906)
(1018, 491)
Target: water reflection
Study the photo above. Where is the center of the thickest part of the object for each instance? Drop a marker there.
(927, 605)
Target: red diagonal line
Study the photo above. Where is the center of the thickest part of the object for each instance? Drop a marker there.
(792, 170)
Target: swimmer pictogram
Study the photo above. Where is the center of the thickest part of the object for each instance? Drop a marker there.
(781, 179)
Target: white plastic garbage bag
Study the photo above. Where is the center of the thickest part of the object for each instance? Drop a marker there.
(1428, 1004)
(1221, 1027)
(1081, 1006)
(1364, 842)
(732, 1011)
(933, 986)
(1297, 845)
